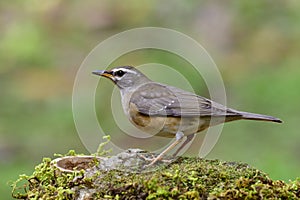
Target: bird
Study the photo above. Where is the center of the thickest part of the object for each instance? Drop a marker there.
(168, 111)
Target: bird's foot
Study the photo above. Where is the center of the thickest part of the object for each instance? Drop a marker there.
(154, 160)
(179, 136)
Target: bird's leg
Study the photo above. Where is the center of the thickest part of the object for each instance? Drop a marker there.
(179, 136)
(188, 139)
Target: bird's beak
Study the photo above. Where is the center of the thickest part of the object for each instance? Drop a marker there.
(107, 74)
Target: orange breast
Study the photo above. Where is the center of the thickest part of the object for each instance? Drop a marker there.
(164, 126)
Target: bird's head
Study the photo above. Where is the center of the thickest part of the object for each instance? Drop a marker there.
(125, 77)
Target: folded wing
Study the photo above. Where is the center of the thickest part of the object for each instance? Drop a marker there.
(155, 99)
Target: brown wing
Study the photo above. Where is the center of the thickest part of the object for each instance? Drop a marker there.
(155, 99)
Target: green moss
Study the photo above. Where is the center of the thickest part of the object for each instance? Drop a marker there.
(45, 183)
(187, 178)
(101, 151)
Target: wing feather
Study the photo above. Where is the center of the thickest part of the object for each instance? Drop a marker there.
(155, 99)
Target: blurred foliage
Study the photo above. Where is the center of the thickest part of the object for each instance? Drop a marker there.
(255, 44)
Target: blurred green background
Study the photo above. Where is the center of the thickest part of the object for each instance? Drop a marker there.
(255, 44)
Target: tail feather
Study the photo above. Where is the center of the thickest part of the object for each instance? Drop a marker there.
(254, 116)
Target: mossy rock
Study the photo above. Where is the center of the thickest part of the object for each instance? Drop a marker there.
(124, 177)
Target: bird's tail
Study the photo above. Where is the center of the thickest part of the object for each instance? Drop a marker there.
(254, 116)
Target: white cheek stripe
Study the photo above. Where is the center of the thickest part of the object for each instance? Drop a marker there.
(117, 78)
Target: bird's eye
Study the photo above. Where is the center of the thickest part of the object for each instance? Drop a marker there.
(119, 73)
